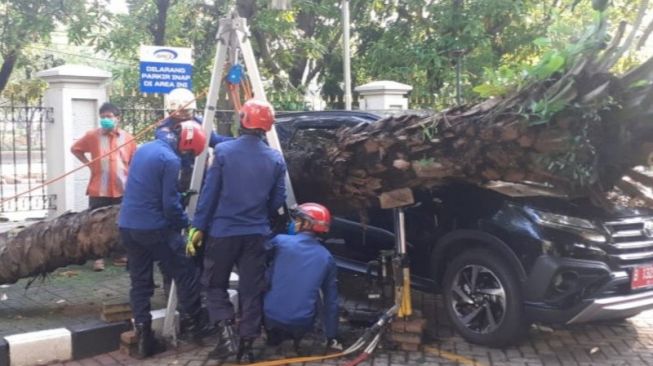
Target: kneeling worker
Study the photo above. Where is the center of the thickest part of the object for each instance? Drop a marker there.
(301, 268)
(151, 219)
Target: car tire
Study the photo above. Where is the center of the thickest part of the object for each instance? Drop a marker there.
(483, 299)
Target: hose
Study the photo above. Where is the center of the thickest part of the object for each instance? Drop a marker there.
(372, 333)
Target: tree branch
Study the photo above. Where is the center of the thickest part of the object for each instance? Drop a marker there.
(610, 60)
(645, 35)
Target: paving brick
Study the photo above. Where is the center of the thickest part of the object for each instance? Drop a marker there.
(410, 338)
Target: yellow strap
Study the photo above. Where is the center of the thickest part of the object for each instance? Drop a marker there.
(287, 361)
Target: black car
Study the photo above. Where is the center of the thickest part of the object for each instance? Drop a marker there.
(505, 255)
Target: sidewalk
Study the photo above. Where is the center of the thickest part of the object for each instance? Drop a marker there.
(67, 297)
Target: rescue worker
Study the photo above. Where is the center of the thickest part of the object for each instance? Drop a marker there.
(109, 174)
(301, 269)
(151, 219)
(243, 186)
(181, 105)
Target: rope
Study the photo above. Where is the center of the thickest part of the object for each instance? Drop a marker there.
(140, 133)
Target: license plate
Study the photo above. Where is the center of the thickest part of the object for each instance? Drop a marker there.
(642, 277)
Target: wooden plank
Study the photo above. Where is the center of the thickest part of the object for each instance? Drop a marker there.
(397, 198)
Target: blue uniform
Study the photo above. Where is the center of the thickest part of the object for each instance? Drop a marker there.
(150, 220)
(301, 268)
(243, 186)
(151, 199)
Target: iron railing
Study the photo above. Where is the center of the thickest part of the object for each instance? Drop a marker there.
(22, 157)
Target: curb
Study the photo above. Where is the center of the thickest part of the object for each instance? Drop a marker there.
(61, 344)
(67, 344)
(75, 342)
(80, 341)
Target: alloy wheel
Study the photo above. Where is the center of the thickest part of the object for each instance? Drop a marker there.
(478, 298)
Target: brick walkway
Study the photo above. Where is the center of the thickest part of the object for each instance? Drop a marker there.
(627, 343)
(74, 295)
(69, 296)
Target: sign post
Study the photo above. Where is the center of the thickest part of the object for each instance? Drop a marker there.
(165, 68)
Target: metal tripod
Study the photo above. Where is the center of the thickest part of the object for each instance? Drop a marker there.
(232, 41)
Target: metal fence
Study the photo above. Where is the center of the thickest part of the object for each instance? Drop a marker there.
(22, 157)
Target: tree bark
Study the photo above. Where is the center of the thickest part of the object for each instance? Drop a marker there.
(47, 245)
(7, 67)
(159, 26)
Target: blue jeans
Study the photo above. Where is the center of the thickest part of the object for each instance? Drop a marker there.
(144, 247)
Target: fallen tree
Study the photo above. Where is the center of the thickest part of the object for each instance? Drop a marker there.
(42, 247)
(575, 131)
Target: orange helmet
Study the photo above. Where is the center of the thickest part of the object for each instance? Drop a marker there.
(317, 215)
(191, 138)
(257, 114)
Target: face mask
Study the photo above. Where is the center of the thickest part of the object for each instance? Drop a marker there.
(107, 123)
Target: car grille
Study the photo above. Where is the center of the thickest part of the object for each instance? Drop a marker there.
(632, 241)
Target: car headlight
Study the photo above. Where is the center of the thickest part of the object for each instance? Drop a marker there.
(582, 227)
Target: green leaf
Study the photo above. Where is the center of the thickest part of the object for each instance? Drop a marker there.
(549, 66)
(639, 84)
(487, 90)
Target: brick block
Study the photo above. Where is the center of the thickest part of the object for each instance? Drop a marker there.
(398, 326)
(117, 316)
(411, 338)
(128, 337)
(415, 325)
(115, 306)
(409, 347)
(129, 350)
(96, 339)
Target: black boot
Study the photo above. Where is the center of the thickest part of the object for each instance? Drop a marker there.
(227, 342)
(245, 354)
(148, 345)
(197, 326)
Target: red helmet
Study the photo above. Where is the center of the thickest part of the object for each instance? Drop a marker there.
(257, 114)
(317, 215)
(191, 138)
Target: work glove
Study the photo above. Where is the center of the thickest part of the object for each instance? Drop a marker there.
(193, 241)
(333, 344)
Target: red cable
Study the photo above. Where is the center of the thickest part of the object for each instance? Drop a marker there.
(362, 357)
(141, 132)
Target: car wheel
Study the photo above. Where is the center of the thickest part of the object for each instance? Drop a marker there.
(483, 299)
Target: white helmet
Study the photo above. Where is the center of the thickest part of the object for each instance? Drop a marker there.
(180, 98)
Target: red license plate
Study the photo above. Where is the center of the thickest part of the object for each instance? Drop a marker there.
(642, 277)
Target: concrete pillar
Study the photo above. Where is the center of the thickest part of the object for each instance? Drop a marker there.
(383, 95)
(75, 93)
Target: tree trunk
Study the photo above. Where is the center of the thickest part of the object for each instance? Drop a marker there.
(47, 245)
(7, 67)
(159, 26)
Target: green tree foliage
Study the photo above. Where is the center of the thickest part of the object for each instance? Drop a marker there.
(500, 44)
(28, 22)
